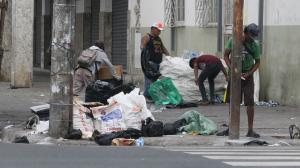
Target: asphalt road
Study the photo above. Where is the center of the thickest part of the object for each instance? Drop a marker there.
(34, 156)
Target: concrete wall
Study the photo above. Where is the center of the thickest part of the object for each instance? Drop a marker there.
(7, 42)
(22, 43)
(280, 60)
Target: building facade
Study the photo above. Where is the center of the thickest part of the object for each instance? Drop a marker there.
(192, 25)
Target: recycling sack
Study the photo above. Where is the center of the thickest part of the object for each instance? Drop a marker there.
(110, 118)
(164, 92)
(82, 121)
(197, 123)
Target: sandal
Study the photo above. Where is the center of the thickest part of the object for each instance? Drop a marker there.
(252, 134)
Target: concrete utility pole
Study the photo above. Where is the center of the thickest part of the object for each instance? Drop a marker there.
(61, 106)
(236, 66)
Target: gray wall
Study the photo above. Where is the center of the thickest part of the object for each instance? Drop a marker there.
(7, 42)
(280, 62)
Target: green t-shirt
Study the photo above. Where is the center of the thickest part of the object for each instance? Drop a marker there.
(248, 60)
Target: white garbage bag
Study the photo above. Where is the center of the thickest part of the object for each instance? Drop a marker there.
(182, 75)
(134, 107)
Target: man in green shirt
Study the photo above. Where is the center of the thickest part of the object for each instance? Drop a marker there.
(250, 63)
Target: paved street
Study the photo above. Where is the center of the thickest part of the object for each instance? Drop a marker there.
(36, 156)
(247, 156)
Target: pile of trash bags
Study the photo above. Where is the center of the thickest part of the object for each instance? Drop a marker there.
(125, 119)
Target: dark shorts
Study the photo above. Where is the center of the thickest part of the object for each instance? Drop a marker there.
(247, 90)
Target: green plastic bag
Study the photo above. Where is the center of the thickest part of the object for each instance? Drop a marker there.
(197, 123)
(164, 92)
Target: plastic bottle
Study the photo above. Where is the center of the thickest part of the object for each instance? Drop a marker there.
(139, 142)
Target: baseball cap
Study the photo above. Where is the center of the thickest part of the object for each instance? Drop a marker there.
(252, 29)
(158, 25)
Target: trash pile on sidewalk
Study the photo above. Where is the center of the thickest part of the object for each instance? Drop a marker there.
(182, 75)
(125, 119)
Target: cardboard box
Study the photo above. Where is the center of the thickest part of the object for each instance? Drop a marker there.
(105, 74)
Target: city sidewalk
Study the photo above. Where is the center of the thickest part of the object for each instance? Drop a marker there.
(270, 122)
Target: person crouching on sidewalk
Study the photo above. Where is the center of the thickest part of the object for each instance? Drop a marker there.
(210, 66)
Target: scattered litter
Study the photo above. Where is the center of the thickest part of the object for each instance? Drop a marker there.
(74, 134)
(280, 143)
(294, 131)
(270, 103)
(123, 142)
(256, 143)
(22, 139)
(106, 139)
(42, 127)
(32, 122)
(42, 95)
(139, 142)
(42, 111)
(157, 108)
(8, 126)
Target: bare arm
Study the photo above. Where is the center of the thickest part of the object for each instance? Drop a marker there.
(196, 73)
(252, 70)
(144, 41)
(165, 51)
(226, 57)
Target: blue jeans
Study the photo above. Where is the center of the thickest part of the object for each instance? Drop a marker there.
(148, 82)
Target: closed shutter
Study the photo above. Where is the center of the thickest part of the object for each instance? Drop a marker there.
(119, 32)
(37, 33)
(95, 10)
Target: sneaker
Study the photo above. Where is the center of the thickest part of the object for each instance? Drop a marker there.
(203, 102)
(223, 133)
(252, 134)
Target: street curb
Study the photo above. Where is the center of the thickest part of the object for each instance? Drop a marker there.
(10, 133)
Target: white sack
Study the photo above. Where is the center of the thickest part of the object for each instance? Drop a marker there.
(82, 121)
(134, 107)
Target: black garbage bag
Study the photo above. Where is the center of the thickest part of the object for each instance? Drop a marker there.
(22, 139)
(100, 91)
(106, 139)
(152, 128)
(74, 134)
(256, 143)
(172, 128)
(169, 129)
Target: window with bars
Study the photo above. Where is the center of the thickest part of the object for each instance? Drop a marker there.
(213, 16)
(206, 12)
(180, 10)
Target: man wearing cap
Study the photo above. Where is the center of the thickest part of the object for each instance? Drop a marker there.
(250, 63)
(152, 51)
